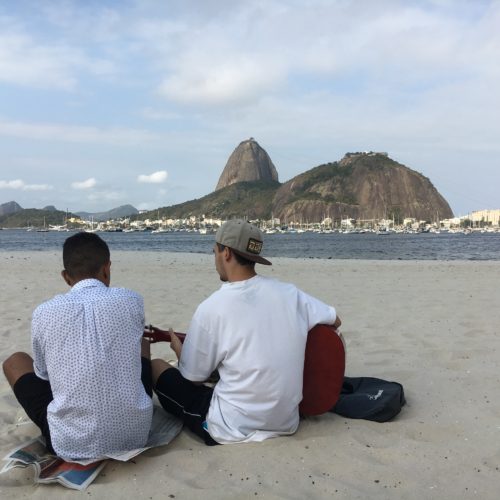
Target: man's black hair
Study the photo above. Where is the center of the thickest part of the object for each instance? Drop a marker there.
(239, 259)
(84, 254)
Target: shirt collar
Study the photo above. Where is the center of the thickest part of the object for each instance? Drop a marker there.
(87, 283)
(241, 283)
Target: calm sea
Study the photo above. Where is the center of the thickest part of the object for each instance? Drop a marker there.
(425, 246)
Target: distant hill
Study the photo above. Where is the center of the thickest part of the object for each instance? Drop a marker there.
(115, 213)
(33, 217)
(9, 208)
(360, 186)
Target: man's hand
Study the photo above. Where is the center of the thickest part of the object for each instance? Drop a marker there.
(337, 322)
(175, 343)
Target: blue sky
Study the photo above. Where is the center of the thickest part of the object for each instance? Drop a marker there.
(104, 103)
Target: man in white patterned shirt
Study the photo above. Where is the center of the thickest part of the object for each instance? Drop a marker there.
(88, 386)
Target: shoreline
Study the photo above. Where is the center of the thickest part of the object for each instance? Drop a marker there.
(442, 248)
(150, 253)
(431, 325)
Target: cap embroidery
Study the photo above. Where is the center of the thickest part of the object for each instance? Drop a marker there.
(254, 246)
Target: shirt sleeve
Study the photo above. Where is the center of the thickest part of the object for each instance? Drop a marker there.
(199, 357)
(318, 313)
(141, 319)
(39, 364)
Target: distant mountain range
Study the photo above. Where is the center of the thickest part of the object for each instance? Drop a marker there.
(363, 186)
(13, 215)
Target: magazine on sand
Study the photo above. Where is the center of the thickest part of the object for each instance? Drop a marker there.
(79, 474)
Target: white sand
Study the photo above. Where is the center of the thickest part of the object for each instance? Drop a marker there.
(433, 326)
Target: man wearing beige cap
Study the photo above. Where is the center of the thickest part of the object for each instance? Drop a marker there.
(253, 330)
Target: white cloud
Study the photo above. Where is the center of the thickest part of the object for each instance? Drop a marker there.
(222, 82)
(99, 23)
(77, 134)
(239, 54)
(16, 184)
(24, 62)
(87, 184)
(154, 178)
(37, 187)
(28, 61)
(21, 185)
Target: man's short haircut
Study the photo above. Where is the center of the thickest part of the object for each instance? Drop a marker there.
(239, 259)
(84, 254)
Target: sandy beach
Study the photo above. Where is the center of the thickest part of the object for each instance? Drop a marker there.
(433, 326)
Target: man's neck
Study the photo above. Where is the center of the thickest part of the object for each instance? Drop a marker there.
(73, 281)
(241, 274)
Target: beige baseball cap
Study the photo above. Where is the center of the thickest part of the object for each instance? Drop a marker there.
(243, 238)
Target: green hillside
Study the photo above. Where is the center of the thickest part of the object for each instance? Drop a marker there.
(33, 217)
(244, 199)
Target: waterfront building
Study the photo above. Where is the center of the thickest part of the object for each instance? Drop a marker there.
(486, 218)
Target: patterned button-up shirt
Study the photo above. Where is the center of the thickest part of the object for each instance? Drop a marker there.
(87, 344)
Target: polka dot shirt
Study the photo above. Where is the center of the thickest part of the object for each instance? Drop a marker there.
(87, 344)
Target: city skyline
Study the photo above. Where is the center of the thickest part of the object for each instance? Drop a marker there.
(109, 103)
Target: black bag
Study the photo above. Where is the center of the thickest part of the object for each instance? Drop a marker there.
(370, 398)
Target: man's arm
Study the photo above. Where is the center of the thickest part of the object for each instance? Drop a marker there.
(39, 364)
(175, 343)
(199, 355)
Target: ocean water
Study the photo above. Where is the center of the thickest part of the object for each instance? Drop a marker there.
(425, 246)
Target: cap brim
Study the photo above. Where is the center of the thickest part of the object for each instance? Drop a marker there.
(253, 258)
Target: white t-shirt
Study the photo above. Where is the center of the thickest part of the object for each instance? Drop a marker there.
(87, 344)
(254, 332)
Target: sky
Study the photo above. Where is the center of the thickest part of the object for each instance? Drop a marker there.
(105, 103)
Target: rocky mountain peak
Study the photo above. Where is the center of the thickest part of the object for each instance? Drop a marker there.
(10, 207)
(362, 186)
(248, 162)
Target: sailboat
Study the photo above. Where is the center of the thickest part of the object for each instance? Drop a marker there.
(92, 230)
(44, 229)
(60, 227)
(161, 228)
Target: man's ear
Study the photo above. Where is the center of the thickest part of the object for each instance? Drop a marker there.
(66, 277)
(106, 273)
(227, 253)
